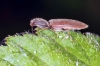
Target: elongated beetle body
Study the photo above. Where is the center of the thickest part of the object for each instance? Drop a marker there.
(58, 24)
(66, 24)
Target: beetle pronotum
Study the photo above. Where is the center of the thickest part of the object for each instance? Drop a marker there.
(39, 22)
(58, 24)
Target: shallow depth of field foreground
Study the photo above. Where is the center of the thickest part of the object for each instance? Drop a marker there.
(49, 48)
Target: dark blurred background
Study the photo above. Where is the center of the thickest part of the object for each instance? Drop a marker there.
(15, 15)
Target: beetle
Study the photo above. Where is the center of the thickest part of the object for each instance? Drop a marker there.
(67, 24)
(58, 24)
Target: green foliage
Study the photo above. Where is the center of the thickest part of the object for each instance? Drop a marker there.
(49, 48)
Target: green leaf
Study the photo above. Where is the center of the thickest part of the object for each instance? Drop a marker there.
(50, 48)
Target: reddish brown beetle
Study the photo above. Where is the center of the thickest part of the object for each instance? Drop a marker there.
(58, 24)
(67, 24)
